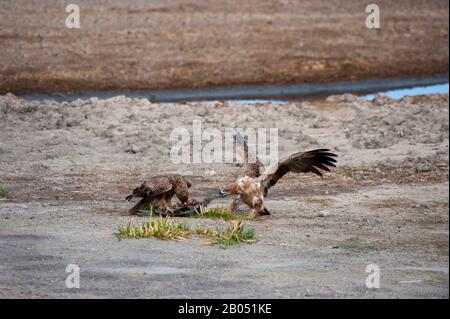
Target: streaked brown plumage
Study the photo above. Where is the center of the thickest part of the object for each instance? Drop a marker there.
(253, 190)
(159, 190)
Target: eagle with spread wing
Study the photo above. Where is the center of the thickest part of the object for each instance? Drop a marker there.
(252, 165)
(252, 187)
(158, 192)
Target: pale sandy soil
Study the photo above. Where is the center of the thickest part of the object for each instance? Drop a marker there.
(68, 166)
(204, 43)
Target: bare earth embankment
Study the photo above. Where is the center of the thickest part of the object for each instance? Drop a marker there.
(67, 168)
(185, 44)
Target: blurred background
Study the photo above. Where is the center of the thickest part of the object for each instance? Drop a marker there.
(155, 44)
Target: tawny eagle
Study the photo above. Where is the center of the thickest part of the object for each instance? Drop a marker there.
(252, 187)
(159, 190)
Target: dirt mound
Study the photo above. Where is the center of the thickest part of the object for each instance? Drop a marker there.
(410, 119)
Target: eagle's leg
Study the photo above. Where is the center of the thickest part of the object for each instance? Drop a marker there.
(258, 212)
(235, 204)
(257, 207)
(143, 202)
(161, 203)
(167, 203)
(253, 214)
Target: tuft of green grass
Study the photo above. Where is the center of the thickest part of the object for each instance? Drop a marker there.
(218, 213)
(168, 229)
(234, 234)
(161, 227)
(353, 245)
(3, 193)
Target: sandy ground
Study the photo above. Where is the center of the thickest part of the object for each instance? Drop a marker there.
(68, 166)
(179, 43)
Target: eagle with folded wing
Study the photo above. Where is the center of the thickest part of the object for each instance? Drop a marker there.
(158, 192)
(252, 189)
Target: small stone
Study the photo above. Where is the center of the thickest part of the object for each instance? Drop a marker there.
(135, 149)
(93, 100)
(423, 168)
(381, 100)
(212, 173)
(323, 214)
(372, 144)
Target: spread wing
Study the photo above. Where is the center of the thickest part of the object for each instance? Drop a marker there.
(306, 162)
(252, 164)
(156, 186)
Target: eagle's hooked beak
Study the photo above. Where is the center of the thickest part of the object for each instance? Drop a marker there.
(129, 198)
(223, 193)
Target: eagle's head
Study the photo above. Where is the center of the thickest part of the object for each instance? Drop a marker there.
(231, 189)
(241, 186)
